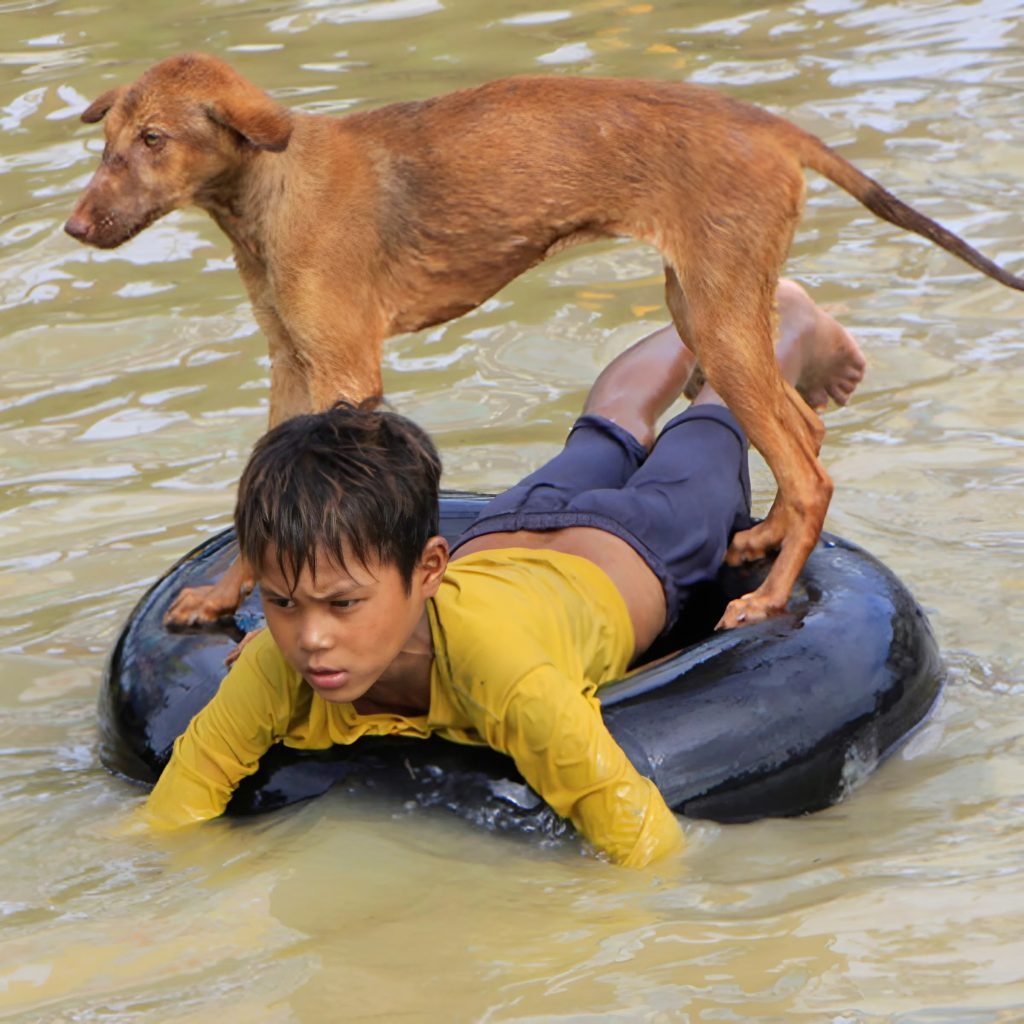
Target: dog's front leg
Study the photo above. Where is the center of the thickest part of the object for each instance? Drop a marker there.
(217, 602)
(346, 366)
(289, 378)
(289, 396)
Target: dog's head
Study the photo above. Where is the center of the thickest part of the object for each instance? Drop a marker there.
(173, 137)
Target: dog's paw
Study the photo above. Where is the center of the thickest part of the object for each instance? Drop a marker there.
(744, 611)
(200, 606)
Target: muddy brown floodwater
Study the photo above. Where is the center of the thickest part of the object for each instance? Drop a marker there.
(133, 382)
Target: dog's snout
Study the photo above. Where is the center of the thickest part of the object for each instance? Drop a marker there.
(78, 227)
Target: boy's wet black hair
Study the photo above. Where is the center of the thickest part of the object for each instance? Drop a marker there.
(356, 479)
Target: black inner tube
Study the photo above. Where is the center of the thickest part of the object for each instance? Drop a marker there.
(775, 719)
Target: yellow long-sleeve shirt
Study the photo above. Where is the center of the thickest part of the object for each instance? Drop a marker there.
(522, 641)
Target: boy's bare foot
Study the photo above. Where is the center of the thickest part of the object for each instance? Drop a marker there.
(816, 354)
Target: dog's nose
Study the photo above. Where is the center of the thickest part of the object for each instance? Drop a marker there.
(77, 227)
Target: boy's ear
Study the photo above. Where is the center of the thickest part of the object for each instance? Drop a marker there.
(433, 562)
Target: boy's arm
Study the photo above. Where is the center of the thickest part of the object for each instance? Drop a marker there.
(222, 745)
(560, 743)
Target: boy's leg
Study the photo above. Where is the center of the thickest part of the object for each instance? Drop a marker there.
(607, 443)
(597, 453)
(815, 352)
(636, 387)
(681, 507)
(679, 510)
(616, 430)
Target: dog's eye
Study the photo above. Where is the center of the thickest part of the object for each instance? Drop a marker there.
(152, 138)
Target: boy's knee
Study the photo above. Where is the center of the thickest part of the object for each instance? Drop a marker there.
(612, 403)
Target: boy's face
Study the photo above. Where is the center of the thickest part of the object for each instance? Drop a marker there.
(342, 629)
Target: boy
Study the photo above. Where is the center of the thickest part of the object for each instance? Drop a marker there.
(566, 579)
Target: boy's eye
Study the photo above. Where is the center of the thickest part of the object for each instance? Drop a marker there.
(345, 602)
(280, 602)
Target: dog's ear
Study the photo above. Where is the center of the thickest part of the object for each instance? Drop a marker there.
(97, 110)
(255, 117)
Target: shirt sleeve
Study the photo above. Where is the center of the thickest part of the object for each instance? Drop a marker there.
(558, 739)
(222, 744)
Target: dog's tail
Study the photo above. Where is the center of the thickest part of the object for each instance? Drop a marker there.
(826, 161)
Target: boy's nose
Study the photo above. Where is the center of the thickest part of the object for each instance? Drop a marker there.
(314, 636)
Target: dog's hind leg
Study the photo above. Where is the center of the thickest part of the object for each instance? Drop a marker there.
(767, 535)
(727, 316)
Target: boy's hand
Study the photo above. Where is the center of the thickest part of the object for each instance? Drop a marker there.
(237, 649)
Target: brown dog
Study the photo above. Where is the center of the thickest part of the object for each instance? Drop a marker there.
(348, 230)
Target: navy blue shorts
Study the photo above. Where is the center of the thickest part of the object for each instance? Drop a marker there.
(677, 507)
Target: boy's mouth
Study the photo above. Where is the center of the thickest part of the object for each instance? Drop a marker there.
(326, 678)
